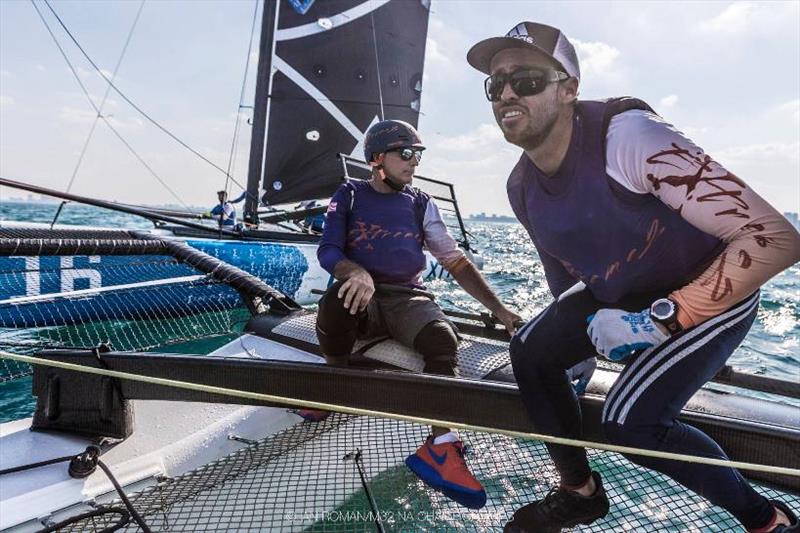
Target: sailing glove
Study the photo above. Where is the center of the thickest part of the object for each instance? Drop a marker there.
(616, 334)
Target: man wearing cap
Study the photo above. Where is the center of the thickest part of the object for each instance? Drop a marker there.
(668, 250)
(224, 212)
(372, 244)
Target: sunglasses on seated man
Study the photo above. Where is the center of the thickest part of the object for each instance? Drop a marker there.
(525, 82)
(407, 153)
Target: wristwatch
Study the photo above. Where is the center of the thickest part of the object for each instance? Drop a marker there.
(665, 312)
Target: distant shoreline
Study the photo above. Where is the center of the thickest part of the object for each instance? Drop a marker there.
(490, 218)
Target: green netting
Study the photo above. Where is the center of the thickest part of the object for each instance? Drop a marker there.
(305, 479)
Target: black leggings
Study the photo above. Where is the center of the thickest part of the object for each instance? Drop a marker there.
(642, 407)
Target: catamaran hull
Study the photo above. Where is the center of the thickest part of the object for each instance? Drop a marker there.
(69, 284)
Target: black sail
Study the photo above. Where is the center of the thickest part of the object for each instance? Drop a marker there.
(337, 69)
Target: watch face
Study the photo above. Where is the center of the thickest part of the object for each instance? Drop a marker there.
(662, 309)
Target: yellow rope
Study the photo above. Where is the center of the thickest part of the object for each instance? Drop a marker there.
(405, 418)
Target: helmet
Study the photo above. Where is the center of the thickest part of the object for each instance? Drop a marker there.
(388, 135)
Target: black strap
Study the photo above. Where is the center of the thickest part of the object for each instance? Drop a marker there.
(615, 106)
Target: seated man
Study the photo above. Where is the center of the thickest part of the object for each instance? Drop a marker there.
(374, 233)
(224, 212)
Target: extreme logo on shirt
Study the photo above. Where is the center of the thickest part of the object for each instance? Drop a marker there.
(361, 235)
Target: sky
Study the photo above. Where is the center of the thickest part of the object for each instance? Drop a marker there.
(727, 74)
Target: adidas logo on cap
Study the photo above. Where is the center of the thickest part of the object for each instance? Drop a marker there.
(543, 38)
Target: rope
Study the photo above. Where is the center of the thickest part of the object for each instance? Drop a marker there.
(128, 505)
(124, 519)
(406, 418)
(22, 468)
(356, 457)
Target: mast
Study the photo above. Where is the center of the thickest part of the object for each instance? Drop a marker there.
(260, 107)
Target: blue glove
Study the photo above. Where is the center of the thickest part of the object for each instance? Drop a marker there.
(616, 334)
(581, 373)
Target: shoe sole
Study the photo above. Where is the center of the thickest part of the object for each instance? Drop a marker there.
(471, 499)
(568, 525)
(556, 529)
(587, 521)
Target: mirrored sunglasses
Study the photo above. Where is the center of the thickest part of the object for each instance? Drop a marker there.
(407, 153)
(523, 82)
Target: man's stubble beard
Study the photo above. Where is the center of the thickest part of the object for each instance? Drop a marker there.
(536, 133)
(530, 138)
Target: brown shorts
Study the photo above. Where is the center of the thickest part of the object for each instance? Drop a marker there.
(400, 315)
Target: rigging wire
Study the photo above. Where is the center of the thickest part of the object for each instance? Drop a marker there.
(377, 62)
(131, 102)
(97, 110)
(284, 98)
(236, 128)
(105, 97)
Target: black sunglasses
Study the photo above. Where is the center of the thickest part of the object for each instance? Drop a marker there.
(523, 82)
(407, 153)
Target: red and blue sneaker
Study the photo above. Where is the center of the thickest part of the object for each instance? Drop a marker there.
(442, 467)
(313, 415)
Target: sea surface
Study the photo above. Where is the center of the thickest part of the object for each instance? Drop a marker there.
(512, 268)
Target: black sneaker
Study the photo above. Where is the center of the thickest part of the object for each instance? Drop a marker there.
(561, 508)
(794, 527)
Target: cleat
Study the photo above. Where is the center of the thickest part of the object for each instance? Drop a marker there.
(313, 415)
(442, 467)
(560, 509)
